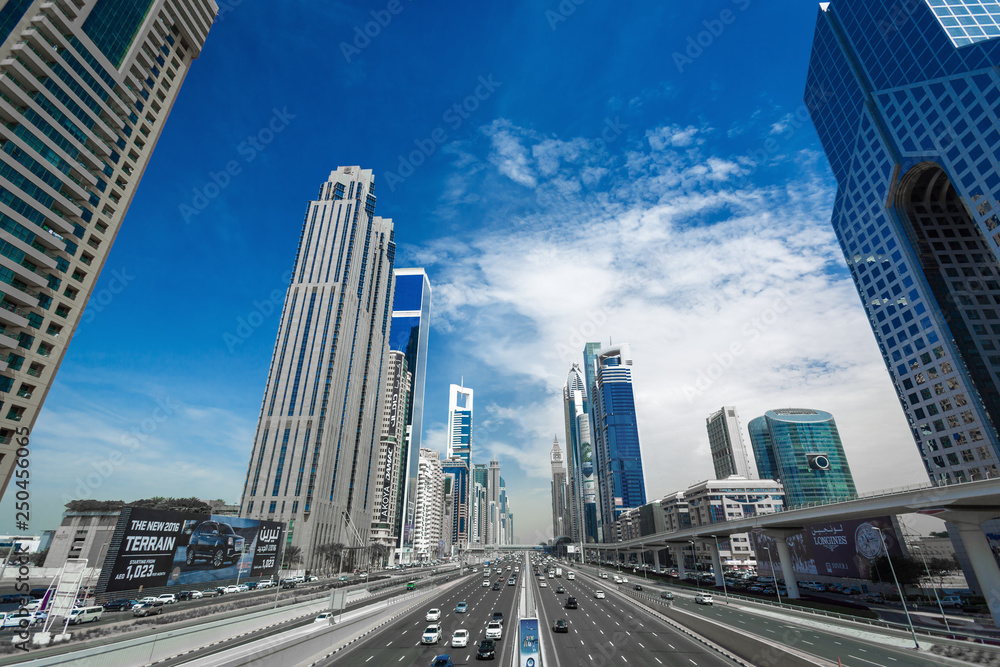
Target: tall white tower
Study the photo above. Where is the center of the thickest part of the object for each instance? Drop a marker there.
(729, 453)
(559, 506)
(460, 423)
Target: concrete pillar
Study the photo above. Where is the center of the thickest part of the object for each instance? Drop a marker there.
(787, 570)
(656, 560)
(720, 578)
(977, 547)
(678, 553)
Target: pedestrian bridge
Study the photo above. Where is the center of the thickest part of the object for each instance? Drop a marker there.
(966, 506)
(501, 547)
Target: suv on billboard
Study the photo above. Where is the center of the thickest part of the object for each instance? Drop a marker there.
(216, 542)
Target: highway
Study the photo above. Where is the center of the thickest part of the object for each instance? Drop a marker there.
(611, 631)
(788, 630)
(399, 642)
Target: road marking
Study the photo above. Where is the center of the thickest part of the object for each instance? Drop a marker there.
(692, 661)
(369, 658)
(807, 642)
(862, 659)
(640, 645)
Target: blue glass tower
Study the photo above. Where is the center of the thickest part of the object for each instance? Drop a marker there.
(411, 312)
(458, 470)
(460, 422)
(802, 450)
(619, 476)
(905, 105)
(591, 513)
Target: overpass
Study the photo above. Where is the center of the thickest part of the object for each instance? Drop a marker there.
(965, 505)
(475, 548)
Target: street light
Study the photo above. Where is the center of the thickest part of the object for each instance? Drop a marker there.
(694, 563)
(944, 617)
(725, 588)
(899, 588)
(774, 575)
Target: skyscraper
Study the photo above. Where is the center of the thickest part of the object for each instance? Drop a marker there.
(460, 423)
(729, 454)
(480, 503)
(315, 453)
(391, 456)
(801, 448)
(585, 429)
(411, 313)
(560, 509)
(903, 104)
(574, 404)
(86, 93)
(428, 528)
(457, 469)
(620, 481)
(493, 511)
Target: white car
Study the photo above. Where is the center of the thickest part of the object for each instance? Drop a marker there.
(604, 575)
(232, 589)
(197, 595)
(703, 598)
(486, 583)
(433, 615)
(167, 598)
(325, 617)
(460, 639)
(617, 579)
(18, 619)
(267, 583)
(624, 580)
(432, 635)
(149, 600)
(494, 630)
(543, 584)
(599, 595)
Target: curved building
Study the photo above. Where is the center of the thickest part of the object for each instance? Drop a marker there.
(801, 448)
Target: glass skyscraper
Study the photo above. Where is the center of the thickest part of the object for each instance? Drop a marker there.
(801, 448)
(620, 481)
(411, 320)
(906, 106)
(85, 91)
(460, 422)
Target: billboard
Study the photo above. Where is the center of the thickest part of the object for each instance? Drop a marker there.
(529, 654)
(835, 549)
(155, 548)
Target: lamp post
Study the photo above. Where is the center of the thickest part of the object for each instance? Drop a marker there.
(774, 576)
(899, 588)
(694, 563)
(725, 588)
(944, 617)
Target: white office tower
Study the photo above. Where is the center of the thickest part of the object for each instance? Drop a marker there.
(429, 506)
(460, 423)
(559, 507)
(86, 87)
(729, 454)
(493, 506)
(391, 452)
(574, 405)
(315, 452)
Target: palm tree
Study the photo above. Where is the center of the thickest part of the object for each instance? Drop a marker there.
(293, 555)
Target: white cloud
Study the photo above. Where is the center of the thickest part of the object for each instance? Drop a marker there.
(510, 157)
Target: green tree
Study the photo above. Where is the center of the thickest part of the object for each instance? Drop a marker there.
(909, 572)
(293, 555)
(940, 568)
(939, 533)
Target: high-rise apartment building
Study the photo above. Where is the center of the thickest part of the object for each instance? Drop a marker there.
(801, 448)
(411, 324)
(391, 454)
(620, 481)
(315, 453)
(428, 523)
(457, 470)
(479, 503)
(560, 508)
(460, 422)
(85, 90)
(903, 103)
(493, 499)
(729, 454)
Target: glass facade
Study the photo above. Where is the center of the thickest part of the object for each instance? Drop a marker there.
(907, 112)
(113, 24)
(801, 448)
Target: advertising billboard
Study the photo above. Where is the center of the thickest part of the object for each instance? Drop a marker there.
(156, 548)
(529, 652)
(835, 549)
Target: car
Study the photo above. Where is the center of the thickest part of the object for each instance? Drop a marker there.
(443, 660)
(265, 583)
(167, 598)
(494, 630)
(604, 575)
(432, 635)
(543, 584)
(512, 581)
(496, 585)
(209, 593)
(498, 617)
(184, 595)
(460, 639)
(560, 590)
(704, 598)
(617, 579)
(487, 650)
(637, 587)
(571, 603)
(38, 593)
(875, 598)
(121, 604)
(216, 542)
(14, 598)
(462, 607)
(325, 617)
(624, 580)
(150, 599)
(147, 609)
(433, 615)
(86, 615)
(242, 588)
(486, 583)
(231, 589)
(955, 601)
(560, 625)
(288, 584)
(196, 595)
(20, 619)
(599, 595)
(666, 595)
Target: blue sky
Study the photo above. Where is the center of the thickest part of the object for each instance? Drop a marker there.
(592, 184)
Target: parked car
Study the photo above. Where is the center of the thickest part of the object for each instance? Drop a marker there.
(287, 584)
(147, 609)
(209, 593)
(168, 598)
(232, 588)
(150, 599)
(460, 639)
(20, 619)
(86, 615)
(704, 598)
(432, 635)
(265, 583)
(560, 625)
(15, 598)
(184, 595)
(955, 601)
(874, 598)
(487, 650)
(216, 542)
(121, 604)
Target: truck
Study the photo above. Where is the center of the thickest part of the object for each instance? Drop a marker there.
(559, 572)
